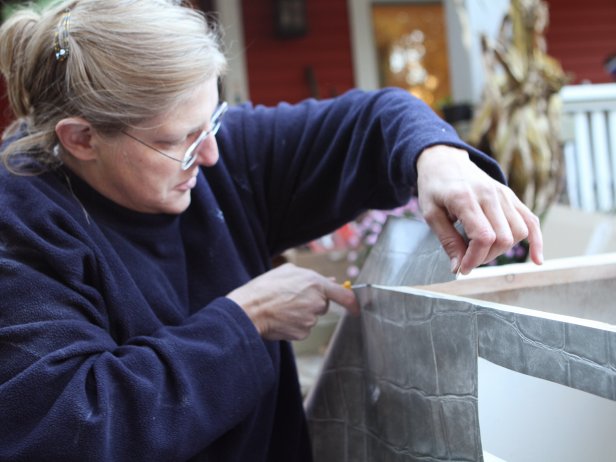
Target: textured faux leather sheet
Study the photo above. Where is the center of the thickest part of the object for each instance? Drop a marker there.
(399, 382)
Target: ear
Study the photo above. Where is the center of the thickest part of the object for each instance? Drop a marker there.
(75, 134)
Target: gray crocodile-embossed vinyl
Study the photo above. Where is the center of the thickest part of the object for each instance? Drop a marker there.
(407, 253)
(350, 416)
(400, 382)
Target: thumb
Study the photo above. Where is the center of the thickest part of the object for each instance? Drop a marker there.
(343, 296)
(450, 238)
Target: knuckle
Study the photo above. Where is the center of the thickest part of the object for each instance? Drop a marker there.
(430, 214)
(485, 237)
(461, 197)
(534, 219)
(288, 266)
(520, 232)
(505, 241)
(299, 335)
(482, 190)
(309, 322)
(449, 243)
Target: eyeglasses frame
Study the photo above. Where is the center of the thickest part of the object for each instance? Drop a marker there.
(190, 155)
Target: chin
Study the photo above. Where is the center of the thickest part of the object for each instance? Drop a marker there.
(172, 203)
(177, 206)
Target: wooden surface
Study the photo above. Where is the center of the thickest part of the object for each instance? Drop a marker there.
(521, 276)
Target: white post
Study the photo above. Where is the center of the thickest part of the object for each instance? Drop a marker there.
(365, 68)
(467, 20)
(236, 81)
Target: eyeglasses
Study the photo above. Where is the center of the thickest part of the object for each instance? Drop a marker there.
(191, 153)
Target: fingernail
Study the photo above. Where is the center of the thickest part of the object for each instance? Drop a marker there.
(455, 263)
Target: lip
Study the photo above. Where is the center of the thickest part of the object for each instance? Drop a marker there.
(188, 184)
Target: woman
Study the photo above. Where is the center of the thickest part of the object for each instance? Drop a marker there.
(140, 319)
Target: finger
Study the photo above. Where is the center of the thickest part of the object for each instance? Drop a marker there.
(477, 227)
(505, 223)
(342, 296)
(476, 254)
(321, 308)
(524, 224)
(535, 238)
(451, 240)
(517, 224)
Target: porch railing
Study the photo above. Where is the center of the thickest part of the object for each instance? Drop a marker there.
(589, 132)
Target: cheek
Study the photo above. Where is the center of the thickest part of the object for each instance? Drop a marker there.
(156, 182)
(147, 190)
(147, 168)
(140, 176)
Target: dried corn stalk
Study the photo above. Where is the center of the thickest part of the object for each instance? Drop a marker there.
(518, 120)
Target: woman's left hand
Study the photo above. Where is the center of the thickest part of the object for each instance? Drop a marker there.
(452, 188)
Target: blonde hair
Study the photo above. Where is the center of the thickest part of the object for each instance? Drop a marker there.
(128, 61)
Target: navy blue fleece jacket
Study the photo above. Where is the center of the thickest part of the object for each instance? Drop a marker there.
(116, 340)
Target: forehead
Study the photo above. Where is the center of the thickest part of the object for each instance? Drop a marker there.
(192, 111)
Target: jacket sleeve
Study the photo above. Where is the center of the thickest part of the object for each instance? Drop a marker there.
(314, 166)
(70, 391)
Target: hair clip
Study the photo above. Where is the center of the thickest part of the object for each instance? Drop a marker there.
(60, 41)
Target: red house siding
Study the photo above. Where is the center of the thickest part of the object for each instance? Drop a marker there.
(278, 69)
(581, 34)
(6, 115)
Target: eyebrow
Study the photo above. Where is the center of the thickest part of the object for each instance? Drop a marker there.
(168, 137)
(200, 127)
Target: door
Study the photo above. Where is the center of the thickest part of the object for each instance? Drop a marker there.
(411, 44)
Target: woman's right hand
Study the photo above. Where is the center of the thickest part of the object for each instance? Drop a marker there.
(286, 302)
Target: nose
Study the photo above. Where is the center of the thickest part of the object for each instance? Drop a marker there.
(207, 152)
